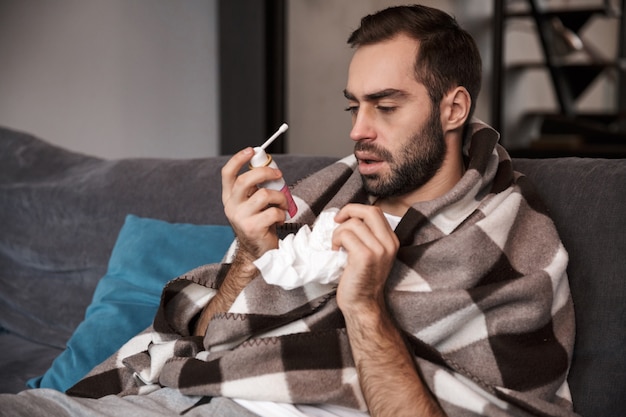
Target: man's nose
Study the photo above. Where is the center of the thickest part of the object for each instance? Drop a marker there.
(363, 126)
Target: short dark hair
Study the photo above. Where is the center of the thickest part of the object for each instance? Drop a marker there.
(447, 57)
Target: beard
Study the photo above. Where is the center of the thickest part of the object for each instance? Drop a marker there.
(413, 167)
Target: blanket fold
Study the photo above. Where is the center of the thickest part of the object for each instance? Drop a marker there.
(479, 288)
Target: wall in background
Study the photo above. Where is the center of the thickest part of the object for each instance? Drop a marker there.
(112, 78)
(118, 78)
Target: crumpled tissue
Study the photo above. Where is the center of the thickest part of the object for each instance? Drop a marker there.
(305, 257)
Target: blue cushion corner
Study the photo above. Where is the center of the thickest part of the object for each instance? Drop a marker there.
(147, 254)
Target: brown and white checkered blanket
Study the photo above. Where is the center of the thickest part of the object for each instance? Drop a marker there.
(479, 289)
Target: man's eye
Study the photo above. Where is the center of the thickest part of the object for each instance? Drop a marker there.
(352, 109)
(386, 109)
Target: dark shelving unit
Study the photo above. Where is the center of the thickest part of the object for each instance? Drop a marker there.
(566, 132)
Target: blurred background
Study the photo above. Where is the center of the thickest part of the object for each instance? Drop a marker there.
(197, 78)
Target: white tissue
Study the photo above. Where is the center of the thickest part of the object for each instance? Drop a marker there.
(305, 257)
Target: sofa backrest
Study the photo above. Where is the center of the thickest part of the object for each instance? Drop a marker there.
(587, 201)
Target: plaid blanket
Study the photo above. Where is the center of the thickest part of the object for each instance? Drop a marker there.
(479, 289)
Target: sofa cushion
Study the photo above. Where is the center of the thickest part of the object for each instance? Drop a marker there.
(586, 199)
(147, 254)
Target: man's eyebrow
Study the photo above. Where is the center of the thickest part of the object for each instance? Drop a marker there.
(386, 93)
(349, 95)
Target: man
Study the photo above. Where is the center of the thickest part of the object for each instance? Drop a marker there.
(412, 88)
(453, 299)
(408, 144)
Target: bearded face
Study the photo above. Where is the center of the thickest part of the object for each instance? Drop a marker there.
(411, 167)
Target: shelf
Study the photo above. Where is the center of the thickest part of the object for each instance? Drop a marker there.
(603, 118)
(572, 66)
(601, 129)
(575, 17)
(575, 76)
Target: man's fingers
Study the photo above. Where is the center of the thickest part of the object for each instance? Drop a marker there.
(354, 236)
(241, 187)
(366, 222)
(231, 169)
(261, 199)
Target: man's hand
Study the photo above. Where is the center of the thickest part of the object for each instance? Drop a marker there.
(253, 212)
(371, 244)
(389, 378)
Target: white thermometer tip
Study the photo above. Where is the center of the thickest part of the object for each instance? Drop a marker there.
(279, 132)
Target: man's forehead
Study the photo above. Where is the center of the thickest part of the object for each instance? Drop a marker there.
(383, 66)
(400, 48)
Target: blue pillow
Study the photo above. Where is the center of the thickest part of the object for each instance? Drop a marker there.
(147, 254)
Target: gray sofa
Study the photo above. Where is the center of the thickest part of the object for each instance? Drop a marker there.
(61, 212)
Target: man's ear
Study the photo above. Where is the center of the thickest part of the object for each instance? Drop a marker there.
(455, 108)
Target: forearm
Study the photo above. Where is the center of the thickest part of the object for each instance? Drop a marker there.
(388, 376)
(241, 272)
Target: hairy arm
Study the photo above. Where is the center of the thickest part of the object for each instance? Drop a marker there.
(253, 213)
(241, 272)
(389, 378)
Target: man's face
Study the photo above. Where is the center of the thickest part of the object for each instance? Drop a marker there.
(398, 134)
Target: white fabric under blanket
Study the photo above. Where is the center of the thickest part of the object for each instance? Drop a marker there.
(160, 403)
